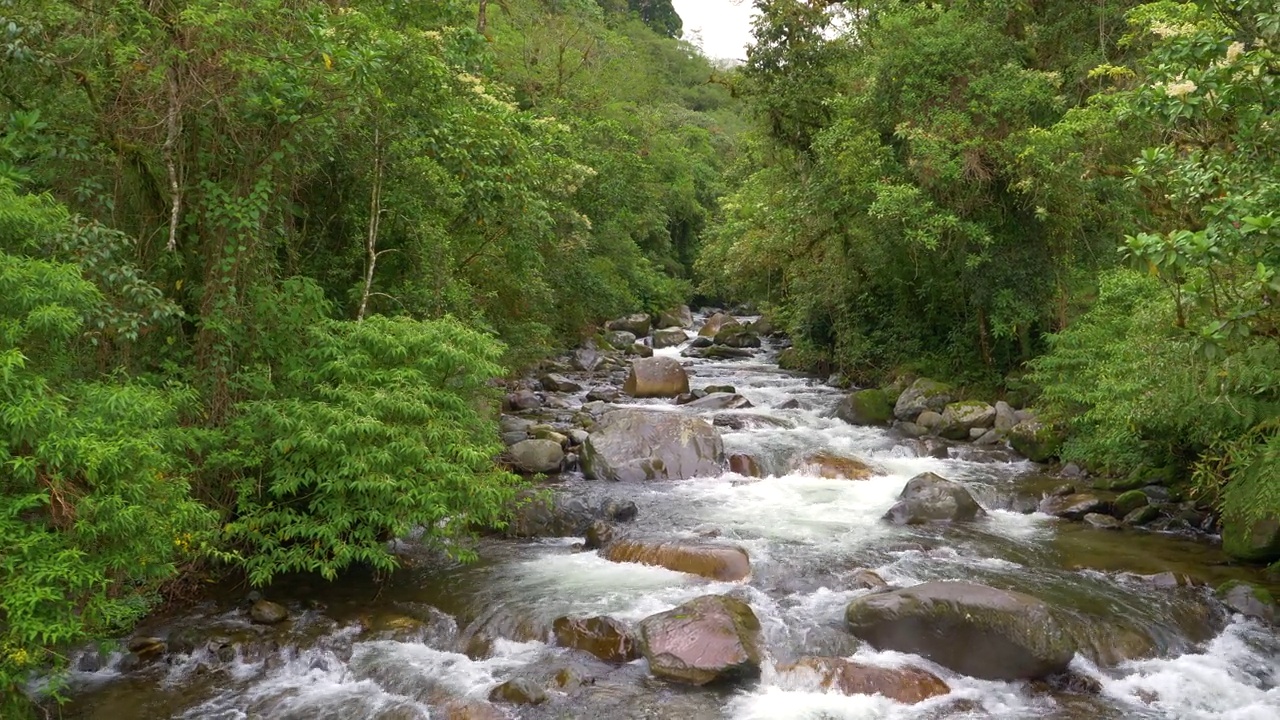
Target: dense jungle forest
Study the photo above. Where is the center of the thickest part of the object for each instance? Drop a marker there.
(265, 265)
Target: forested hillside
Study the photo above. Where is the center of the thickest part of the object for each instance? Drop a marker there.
(1087, 191)
(259, 262)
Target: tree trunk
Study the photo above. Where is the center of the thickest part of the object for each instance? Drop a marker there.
(371, 238)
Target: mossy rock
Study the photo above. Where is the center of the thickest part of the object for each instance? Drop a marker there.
(1165, 476)
(1248, 600)
(1261, 594)
(924, 394)
(866, 407)
(1130, 501)
(1255, 540)
(790, 359)
(1035, 440)
(1142, 516)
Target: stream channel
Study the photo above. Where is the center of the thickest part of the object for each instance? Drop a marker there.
(440, 632)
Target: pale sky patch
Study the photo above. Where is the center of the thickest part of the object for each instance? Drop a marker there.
(722, 28)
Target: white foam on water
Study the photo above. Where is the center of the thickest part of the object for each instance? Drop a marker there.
(585, 584)
(1235, 677)
(798, 695)
(796, 508)
(311, 685)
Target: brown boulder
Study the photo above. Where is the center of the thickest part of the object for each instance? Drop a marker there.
(716, 323)
(603, 637)
(708, 639)
(834, 467)
(472, 710)
(906, 685)
(656, 377)
(718, 562)
(745, 465)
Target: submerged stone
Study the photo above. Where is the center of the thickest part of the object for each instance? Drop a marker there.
(973, 629)
(714, 561)
(906, 685)
(603, 637)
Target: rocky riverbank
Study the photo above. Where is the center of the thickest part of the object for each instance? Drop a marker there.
(715, 537)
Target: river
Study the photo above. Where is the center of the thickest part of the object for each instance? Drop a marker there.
(358, 649)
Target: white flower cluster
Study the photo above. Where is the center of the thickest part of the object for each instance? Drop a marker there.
(1167, 31)
(1180, 88)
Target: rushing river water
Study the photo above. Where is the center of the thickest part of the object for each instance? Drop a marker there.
(349, 653)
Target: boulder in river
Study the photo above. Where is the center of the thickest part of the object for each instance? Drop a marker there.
(1253, 540)
(559, 383)
(1129, 501)
(637, 324)
(519, 691)
(618, 510)
(680, 317)
(1141, 516)
(716, 323)
(713, 638)
(907, 685)
(727, 563)
(1006, 418)
(668, 337)
(745, 465)
(973, 629)
(720, 401)
(930, 498)
(599, 534)
(923, 394)
(866, 407)
(930, 421)
(1248, 600)
(147, 649)
(865, 579)
(1035, 440)
(540, 515)
(1073, 507)
(537, 456)
(265, 612)
(472, 710)
(587, 359)
(603, 637)
(620, 339)
(960, 419)
(1101, 522)
(834, 467)
(656, 377)
(633, 445)
(522, 400)
(737, 336)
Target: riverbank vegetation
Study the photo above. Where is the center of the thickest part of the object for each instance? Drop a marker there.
(259, 263)
(1075, 203)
